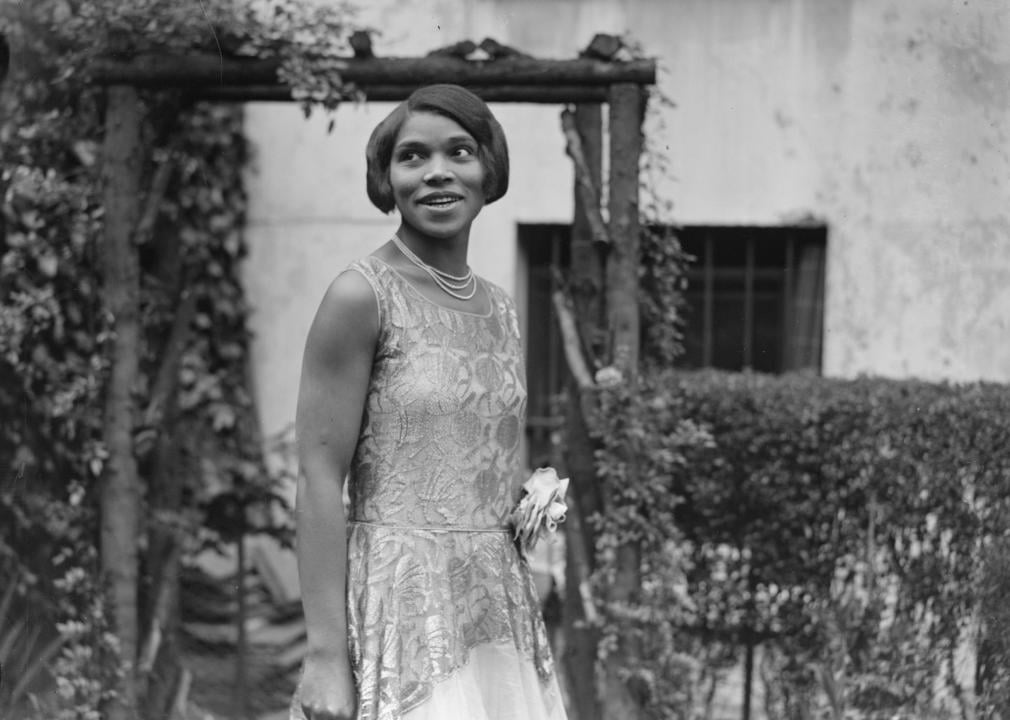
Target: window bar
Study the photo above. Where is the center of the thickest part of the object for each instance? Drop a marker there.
(788, 354)
(709, 301)
(748, 305)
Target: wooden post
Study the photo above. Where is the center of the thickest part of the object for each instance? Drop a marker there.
(586, 283)
(120, 488)
(627, 108)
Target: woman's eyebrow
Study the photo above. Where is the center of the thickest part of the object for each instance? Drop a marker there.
(415, 144)
(410, 144)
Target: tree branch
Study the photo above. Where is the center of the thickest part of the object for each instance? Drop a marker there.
(156, 195)
(570, 343)
(587, 189)
(581, 562)
(159, 618)
(165, 379)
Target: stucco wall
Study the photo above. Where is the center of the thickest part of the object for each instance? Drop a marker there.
(886, 120)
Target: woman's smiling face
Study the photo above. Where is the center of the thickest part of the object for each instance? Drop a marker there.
(436, 176)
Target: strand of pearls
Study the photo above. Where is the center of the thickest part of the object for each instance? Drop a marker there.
(453, 285)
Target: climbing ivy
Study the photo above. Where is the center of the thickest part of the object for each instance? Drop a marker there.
(633, 463)
(54, 331)
(663, 261)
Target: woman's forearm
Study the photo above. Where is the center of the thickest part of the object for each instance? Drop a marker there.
(322, 563)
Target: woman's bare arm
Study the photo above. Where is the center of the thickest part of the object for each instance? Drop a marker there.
(331, 396)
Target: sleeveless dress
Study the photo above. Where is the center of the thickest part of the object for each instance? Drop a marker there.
(444, 619)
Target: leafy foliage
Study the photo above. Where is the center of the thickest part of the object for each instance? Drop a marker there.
(662, 280)
(852, 526)
(662, 259)
(51, 359)
(54, 332)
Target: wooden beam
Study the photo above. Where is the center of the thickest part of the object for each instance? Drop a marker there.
(541, 94)
(206, 71)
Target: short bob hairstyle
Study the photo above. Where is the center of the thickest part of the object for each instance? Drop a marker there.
(457, 104)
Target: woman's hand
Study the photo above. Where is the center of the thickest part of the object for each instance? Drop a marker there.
(327, 689)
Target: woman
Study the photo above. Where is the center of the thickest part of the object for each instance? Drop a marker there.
(413, 384)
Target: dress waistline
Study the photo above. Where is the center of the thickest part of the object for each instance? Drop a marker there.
(431, 528)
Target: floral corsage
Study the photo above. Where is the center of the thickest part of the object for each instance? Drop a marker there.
(541, 507)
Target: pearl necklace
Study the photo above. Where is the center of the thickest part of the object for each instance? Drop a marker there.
(453, 285)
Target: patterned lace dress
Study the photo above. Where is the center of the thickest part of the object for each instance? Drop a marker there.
(443, 614)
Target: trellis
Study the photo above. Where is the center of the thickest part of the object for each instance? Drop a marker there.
(598, 314)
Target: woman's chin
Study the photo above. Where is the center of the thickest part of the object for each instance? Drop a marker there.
(437, 230)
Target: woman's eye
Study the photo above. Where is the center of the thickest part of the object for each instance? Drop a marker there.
(463, 151)
(409, 156)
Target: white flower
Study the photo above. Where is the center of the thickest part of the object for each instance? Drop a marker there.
(541, 507)
(608, 377)
(557, 510)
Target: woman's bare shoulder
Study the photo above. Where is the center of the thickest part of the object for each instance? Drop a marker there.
(348, 312)
(352, 288)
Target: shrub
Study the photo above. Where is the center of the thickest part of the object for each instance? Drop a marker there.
(850, 525)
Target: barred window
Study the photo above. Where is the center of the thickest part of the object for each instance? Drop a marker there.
(755, 300)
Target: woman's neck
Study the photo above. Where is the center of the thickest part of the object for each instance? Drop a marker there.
(445, 254)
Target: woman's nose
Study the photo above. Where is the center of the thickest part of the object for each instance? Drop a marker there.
(438, 170)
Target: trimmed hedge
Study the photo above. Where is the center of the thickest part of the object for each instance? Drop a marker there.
(857, 529)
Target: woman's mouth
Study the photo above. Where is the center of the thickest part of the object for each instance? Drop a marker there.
(440, 202)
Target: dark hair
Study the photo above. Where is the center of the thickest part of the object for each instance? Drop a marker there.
(459, 105)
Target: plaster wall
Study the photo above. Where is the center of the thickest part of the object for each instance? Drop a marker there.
(887, 120)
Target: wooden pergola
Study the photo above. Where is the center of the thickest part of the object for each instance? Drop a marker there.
(509, 79)
(600, 302)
